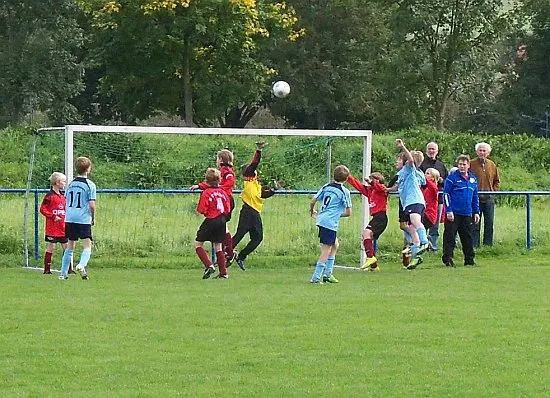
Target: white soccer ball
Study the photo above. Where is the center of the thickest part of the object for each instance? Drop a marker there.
(281, 89)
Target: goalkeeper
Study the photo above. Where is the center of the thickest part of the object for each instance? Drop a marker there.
(253, 196)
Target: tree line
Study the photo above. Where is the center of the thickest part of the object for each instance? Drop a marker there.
(379, 64)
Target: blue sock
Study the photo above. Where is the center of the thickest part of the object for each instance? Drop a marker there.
(414, 250)
(329, 266)
(421, 231)
(319, 268)
(65, 261)
(408, 237)
(85, 257)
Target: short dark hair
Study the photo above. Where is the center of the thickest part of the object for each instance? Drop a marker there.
(82, 165)
(341, 173)
(212, 176)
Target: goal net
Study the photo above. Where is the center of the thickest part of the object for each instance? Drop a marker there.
(146, 213)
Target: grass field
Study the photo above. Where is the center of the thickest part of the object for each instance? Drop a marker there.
(435, 332)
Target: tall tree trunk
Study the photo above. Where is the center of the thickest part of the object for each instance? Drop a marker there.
(187, 89)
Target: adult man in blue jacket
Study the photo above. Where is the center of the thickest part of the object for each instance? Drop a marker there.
(462, 207)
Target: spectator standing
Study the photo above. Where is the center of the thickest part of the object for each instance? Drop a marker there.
(488, 179)
(431, 162)
(462, 204)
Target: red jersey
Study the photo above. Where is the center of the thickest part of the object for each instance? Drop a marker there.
(53, 205)
(213, 202)
(227, 180)
(375, 192)
(430, 192)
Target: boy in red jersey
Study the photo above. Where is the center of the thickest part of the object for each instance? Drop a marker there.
(224, 163)
(53, 208)
(377, 195)
(431, 194)
(215, 206)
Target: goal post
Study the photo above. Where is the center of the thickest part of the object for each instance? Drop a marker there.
(73, 132)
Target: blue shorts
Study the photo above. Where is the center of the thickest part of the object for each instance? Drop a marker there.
(415, 208)
(327, 236)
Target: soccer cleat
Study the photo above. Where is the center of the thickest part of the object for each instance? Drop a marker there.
(422, 248)
(82, 271)
(316, 282)
(240, 263)
(47, 272)
(208, 271)
(369, 262)
(407, 250)
(374, 269)
(220, 276)
(450, 264)
(330, 279)
(230, 258)
(415, 262)
(63, 277)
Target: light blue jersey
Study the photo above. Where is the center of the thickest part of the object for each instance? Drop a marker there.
(79, 192)
(334, 198)
(409, 180)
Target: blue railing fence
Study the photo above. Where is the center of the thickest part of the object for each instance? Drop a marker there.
(38, 192)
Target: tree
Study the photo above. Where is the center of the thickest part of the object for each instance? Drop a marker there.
(525, 98)
(39, 58)
(332, 69)
(447, 43)
(190, 57)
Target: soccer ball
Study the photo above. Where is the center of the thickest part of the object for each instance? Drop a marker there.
(281, 89)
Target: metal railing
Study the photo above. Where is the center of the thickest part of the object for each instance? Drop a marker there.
(37, 191)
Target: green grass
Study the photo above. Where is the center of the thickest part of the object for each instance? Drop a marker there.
(267, 332)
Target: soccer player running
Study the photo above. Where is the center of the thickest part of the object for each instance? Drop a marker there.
(335, 201)
(214, 204)
(377, 196)
(80, 217)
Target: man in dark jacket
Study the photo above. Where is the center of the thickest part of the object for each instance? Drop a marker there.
(462, 206)
(431, 161)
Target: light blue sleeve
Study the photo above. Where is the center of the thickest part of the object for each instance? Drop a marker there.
(347, 197)
(93, 190)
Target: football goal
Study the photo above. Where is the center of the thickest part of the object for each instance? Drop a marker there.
(146, 212)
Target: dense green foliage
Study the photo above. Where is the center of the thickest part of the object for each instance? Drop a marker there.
(151, 161)
(377, 64)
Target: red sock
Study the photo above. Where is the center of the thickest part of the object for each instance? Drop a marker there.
(369, 248)
(203, 255)
(47, 261)
(221, 263)
(228, 245)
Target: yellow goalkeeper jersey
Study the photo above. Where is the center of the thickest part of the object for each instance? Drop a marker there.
(252, 193)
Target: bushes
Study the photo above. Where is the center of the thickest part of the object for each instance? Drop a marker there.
(123, 161)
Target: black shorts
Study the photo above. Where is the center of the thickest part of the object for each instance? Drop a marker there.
(56, 239)
(402, 216)
(378, 224)
(427, 223)
(415, 208)
(74, 231)
(212, 230)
